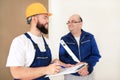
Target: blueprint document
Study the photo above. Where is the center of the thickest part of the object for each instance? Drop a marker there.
(70, 70)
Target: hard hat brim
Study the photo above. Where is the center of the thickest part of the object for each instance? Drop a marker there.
(49, 14)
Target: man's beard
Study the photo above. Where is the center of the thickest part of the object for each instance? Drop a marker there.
(42, 28)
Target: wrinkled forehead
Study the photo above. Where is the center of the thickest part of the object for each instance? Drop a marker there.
(74, 17)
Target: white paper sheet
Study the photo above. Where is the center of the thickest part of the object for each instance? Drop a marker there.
(70, 70)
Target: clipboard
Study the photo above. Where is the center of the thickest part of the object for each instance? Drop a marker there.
(69, 70)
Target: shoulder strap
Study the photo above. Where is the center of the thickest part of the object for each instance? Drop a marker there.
(34, 44)
(45, 43)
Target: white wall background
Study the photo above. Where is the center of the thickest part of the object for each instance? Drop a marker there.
(100, 17)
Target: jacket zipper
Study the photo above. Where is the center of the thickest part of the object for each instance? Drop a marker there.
(79, 48)
(79, 52)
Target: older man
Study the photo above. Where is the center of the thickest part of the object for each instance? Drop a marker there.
(84, 47)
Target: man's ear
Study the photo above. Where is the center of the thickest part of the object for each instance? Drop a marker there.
(34, 19)
(81, 23)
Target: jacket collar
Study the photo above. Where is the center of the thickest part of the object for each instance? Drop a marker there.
(81, 36)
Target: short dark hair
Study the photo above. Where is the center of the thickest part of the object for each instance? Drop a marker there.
(29, 20)
(81, 19)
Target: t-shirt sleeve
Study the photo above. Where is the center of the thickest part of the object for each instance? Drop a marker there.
(16, 56)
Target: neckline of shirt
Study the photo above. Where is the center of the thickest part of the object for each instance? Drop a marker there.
(34, 36)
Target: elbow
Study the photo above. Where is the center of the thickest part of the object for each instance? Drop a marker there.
(15, 73)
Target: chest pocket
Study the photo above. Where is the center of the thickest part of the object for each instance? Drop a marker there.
(87, 41)
(85, 48)
(41, 58)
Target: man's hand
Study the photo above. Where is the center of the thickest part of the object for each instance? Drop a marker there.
(53, 68)
(84, 70)
(61, 63)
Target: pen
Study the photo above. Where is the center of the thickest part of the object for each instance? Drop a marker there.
(62, 67)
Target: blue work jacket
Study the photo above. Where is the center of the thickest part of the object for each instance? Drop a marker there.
(87, 51)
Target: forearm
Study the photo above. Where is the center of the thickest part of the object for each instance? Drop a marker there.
(28, 73)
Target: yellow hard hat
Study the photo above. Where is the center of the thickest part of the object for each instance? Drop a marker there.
(36, 8)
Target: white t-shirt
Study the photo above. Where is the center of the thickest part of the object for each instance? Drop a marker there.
(22, 51)
(77, 39)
